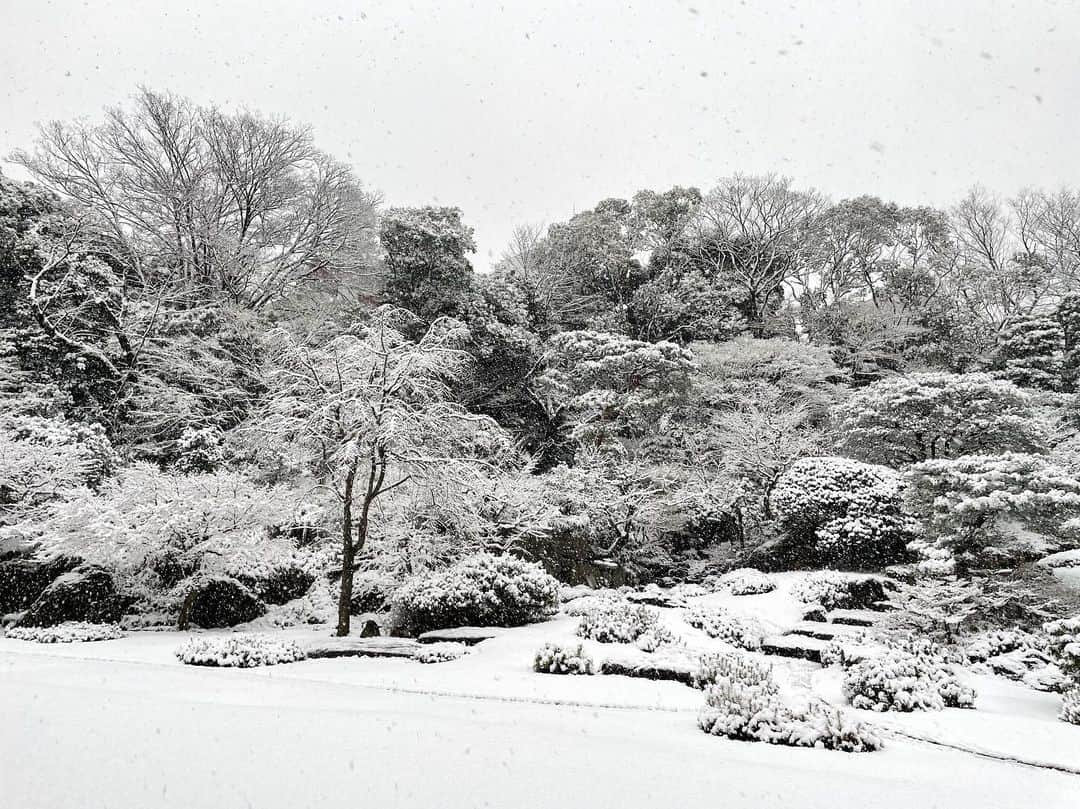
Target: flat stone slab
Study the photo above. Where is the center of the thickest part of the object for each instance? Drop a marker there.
(655, 598)
(816, 629)
(796, 646)
(649, 670)
(855, 617)
(363, 647)
(469, 635)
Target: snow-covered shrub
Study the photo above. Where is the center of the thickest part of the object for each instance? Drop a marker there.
(95, 452)
(982, 647)
(239, 651)
(837, 591)
(910, 418)
(480, 590)
(69, 632)
(746, 581)
(156, 529)
(743, 702)
(580, 606)
(843, 511)
(992, 510)
(728, 627)
(1064, 643)
(1070, 706)
(653, 639)
(440, 652)
(200, 449)
(899, 680)
(551, 658)
(618, 622)
(712, 668)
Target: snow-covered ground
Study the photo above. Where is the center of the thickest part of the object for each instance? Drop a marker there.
(122, 724)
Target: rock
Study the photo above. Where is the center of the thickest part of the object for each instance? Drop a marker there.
(815, 613)
(23, 580)
(794, 646)
(855, 617)
(84, 594)
(655, 597)
(469, 635)
(822, 631)
(651, 669)
(220, 602)
(363, 647)
(370, 630)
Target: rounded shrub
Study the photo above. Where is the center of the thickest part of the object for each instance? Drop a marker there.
(845, 512)
(551, 658)
(480, 590)
(238, 651)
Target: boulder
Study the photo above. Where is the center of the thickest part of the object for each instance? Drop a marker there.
(469, 635)
(220, 602)
(23, 580)
(87, 594)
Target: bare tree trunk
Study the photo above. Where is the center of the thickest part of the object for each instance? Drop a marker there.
(347, 556)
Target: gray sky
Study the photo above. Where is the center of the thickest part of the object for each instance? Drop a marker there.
(527, 111)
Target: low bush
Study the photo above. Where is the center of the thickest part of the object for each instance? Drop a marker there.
(238, 651)
(743, 702)
(723, 625)
(617, 622)
(836, 591)
(440, 652)
(901, 680)
(746, 581)
(552, 658)
(580, 606)
(480, 590)
(70, 632)
(1070, 706)
(1064, 643)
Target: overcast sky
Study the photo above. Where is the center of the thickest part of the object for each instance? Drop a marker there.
(527, 111)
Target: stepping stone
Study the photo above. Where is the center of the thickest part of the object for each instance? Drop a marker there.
(855, 617)
(650, 670)
(363, 647)
(655, 598)
(796, 646)
(469, 635)
(814, 629)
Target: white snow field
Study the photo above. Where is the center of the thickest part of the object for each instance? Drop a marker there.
(121, 724)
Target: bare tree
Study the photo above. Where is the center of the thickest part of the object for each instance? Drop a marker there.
(216, 204)
(752, 230)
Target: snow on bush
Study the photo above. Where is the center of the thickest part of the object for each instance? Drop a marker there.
(619, 622)
(986, 645)
(580, 606)
(847, 512)
(836, 591)
(551, 658)
(440, 652)
(724, 625)
(746, 581)
(69, 632)
(902, 680)
(742, 701)
(238, 651)
(480, 590)
(1064, 642)
(991, 510)
(1070, 706)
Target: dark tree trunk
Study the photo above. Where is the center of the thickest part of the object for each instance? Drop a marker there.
(347, 556)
